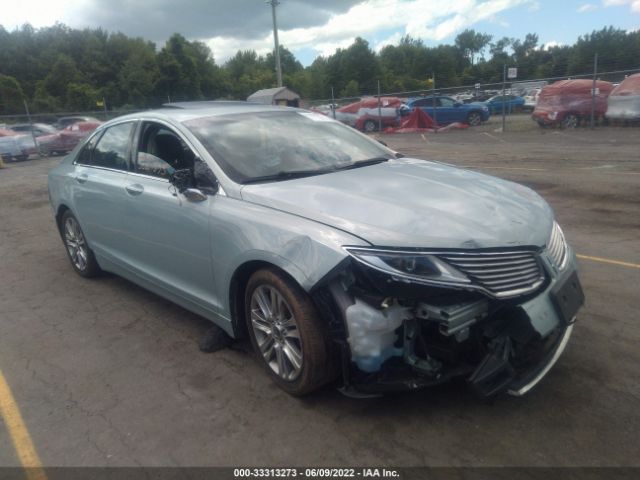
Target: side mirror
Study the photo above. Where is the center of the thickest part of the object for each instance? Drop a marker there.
(205, 180)
(457, 104)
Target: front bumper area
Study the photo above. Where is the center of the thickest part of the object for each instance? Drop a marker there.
(395, 344)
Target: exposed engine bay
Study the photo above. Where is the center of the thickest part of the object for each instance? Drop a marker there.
(396, 335)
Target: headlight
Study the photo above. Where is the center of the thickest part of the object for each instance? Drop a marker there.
(553, 115)
(557, 247)
(414, 266)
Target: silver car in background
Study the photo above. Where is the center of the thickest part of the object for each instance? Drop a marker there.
(340, 260)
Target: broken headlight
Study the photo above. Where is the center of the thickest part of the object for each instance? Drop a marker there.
(421, 267)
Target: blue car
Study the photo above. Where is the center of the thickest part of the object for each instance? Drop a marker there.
(445, 110)
(512, 103)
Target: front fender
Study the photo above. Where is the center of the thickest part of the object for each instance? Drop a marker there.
(245, 232)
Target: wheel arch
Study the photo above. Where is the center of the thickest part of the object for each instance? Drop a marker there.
(474, 111)
(238, 285)
(62, 208)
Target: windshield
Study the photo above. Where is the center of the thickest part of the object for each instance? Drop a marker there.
(276, 144)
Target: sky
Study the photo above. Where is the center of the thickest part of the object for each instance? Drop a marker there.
(310, 28)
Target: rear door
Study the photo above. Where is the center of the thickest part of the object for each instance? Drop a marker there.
(448, 112)
(426, 104)
(168, 237)
(99, 196)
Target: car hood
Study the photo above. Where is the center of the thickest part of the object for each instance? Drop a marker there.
(415, 203)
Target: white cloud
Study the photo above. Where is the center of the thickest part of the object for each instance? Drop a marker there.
(551, 44)
(391, 40)
(430, 20)
(633, 4)
(224, 48)
(587, 7)
(39, 13)
(426, 19)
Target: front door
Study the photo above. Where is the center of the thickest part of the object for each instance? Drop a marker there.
(168, 235)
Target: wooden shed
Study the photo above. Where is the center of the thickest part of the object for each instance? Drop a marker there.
(276, 96)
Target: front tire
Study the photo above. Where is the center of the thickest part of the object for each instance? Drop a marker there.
(570, 121)
(474, 119)
(288, 336)
(80, 255)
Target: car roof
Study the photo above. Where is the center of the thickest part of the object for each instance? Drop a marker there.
(185, 111)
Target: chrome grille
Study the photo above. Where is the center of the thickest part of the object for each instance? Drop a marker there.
(557, 247)
(502, 274)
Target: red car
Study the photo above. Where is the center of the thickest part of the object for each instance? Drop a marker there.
(568, 102)
(65, 140)
(366, 114)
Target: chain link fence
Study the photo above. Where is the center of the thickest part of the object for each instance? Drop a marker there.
(518, 103)
(515, 113)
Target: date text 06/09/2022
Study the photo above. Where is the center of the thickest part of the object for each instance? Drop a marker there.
(315, 473)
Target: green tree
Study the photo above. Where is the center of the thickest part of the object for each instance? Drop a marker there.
(63, 73)
(82, 97)
(137, 79)
(351, 89)
(288, 62)
(11, 95)
(472, 43)
(357, 62)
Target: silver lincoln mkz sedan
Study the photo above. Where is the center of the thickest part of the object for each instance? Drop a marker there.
(340, 260)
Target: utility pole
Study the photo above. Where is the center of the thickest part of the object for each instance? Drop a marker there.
(504, 87)
(593, 91)
(333, 105)
(433, 102)
(379, 109)
(33, 133)
(274, 4)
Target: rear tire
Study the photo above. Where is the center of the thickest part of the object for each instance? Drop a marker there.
(369, 126)
(80, 255)
(287, 334)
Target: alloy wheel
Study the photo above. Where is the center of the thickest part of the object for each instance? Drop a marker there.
(276, 332)
(474, 119)
(570, 121)
(369, 126)
(76, 243)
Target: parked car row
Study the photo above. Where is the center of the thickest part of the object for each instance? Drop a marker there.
(19, 141)
(570, 102)
(367, 115)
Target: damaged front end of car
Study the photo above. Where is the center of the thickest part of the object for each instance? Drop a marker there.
(408, 319)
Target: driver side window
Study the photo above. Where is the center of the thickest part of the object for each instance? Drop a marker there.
(161, 152)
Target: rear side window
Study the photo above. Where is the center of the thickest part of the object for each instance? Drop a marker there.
(84, 157)
(112, 150)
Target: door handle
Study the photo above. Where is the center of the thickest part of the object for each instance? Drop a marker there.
(81, 177)
(134, 189)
